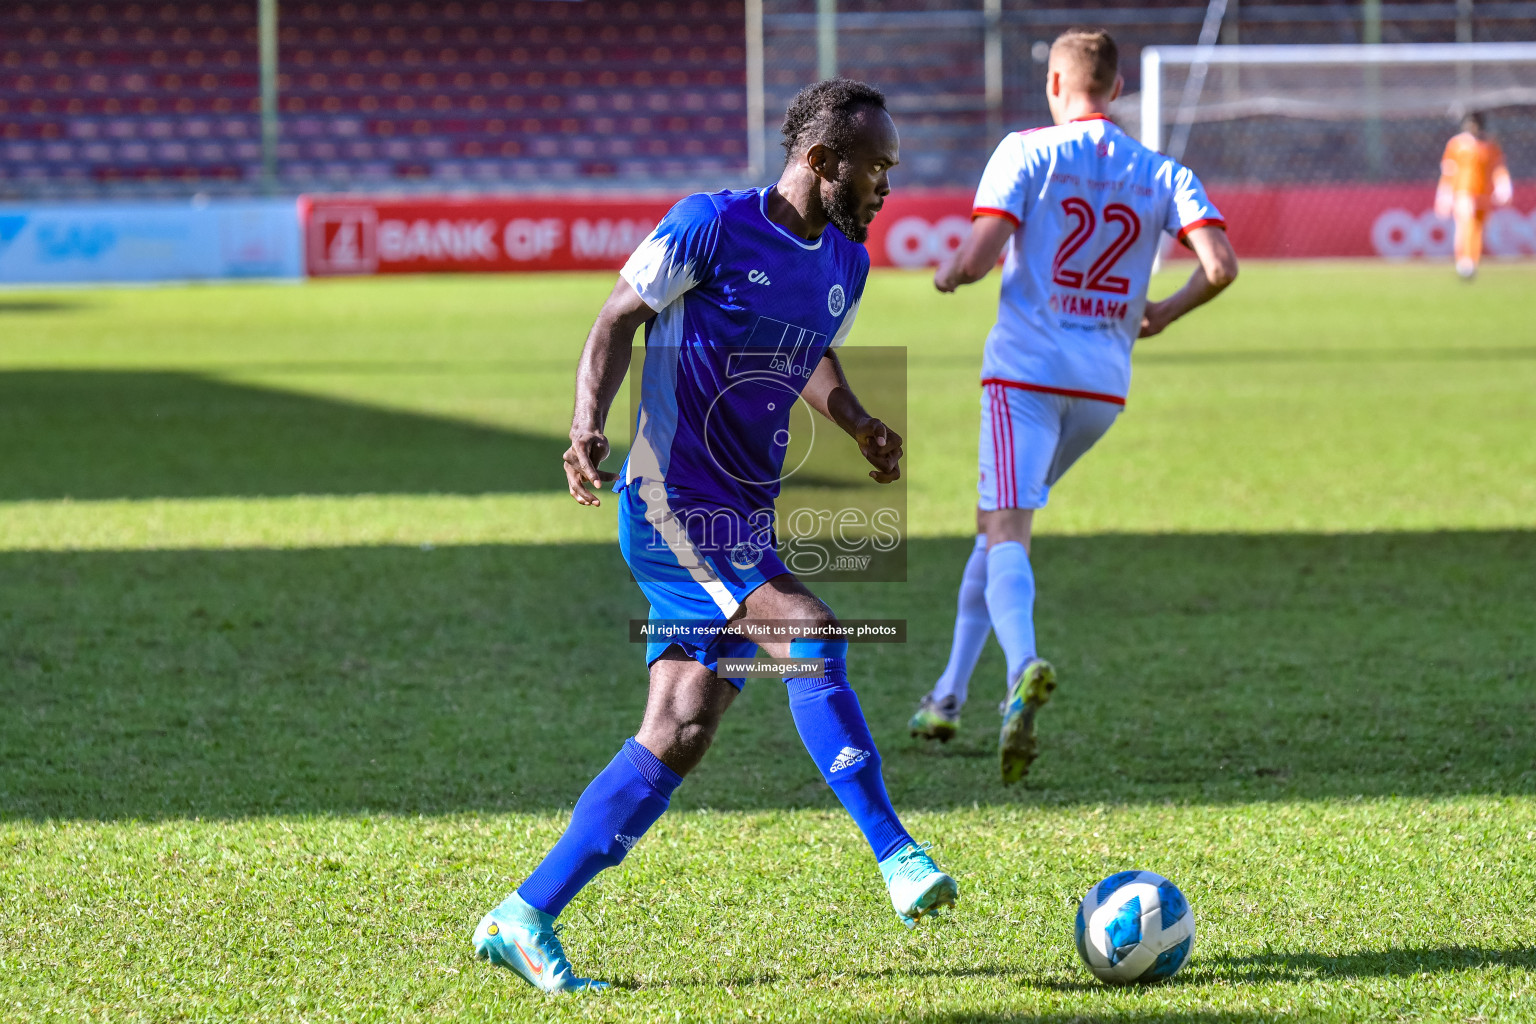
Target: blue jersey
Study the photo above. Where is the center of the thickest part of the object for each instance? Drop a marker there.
(745, 310)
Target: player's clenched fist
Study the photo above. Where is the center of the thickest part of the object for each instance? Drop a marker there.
(582, 477)
(1154, 318)
(881, 446)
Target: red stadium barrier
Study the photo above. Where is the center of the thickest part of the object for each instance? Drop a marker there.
(1395, 221)
(347, 235)
(358, 235)
(917, 229)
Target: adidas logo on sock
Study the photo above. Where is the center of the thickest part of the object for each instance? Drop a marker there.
(628, 842)
(849, 757)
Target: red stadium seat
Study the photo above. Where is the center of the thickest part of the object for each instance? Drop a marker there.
(437, 90)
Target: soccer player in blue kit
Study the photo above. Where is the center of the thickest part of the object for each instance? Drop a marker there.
(745, 297)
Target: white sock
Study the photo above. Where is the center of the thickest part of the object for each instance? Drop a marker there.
(971, 628)
(1011, 603)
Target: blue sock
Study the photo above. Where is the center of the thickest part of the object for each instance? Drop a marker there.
(1011, 603)
(613, 813)
(832, 726)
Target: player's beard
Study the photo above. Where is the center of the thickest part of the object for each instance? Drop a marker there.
(843, 211)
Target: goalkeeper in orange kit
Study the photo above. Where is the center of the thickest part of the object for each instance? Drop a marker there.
(1473, 179)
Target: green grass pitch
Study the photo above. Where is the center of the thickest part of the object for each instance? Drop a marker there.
(305, 656)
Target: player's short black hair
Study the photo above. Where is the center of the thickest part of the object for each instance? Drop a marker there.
(1474, 117)
(827, 112)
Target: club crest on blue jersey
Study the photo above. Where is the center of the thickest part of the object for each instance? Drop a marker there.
(836, 300)
(746, 555)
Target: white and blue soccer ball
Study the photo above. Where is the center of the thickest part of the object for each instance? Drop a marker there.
(1135, 927)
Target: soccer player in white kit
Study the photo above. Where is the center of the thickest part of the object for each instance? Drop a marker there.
(1080, 209)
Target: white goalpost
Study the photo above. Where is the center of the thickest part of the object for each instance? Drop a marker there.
(1332, 83)
(1334, 150)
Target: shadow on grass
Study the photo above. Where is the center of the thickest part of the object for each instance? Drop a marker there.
(1194, 668)
(103, 435)
(1462, 354)
(14, 306)
(1270, 967)
(1265, 968)
(1129, 1012)
(93, 435)
(1121, 1003)
(1363, 964)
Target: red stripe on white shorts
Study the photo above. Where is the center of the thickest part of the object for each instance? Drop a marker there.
(1013, 473)
(997, 447)
(1043, 389)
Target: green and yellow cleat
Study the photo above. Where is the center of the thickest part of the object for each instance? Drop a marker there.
(1016, 746)
(917, 887)
(936, 720)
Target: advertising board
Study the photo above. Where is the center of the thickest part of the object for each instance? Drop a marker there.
(347, 235)
(1391, 221)
(106, 242)
(359, 235)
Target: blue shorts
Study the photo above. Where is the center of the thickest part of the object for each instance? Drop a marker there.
(695, 565)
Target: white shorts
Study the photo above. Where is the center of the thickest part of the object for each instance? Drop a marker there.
(1030, 438)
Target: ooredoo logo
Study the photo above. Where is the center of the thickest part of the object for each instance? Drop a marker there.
(917, 242)
(1399, 234)
(1509, 233)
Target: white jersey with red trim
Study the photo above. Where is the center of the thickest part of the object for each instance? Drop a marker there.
(1091, 204)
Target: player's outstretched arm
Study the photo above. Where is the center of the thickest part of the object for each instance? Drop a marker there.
(604, 361)
(829, 394)
(1218, 268)
(1503, 188)
(977, 255)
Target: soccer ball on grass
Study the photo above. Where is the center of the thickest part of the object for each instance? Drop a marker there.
(1135, 927)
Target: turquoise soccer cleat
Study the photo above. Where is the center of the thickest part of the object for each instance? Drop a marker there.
(526, 942)
(1016, 747)
(917, 887)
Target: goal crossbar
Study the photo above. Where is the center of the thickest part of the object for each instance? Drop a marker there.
(1378, 55)
(1344, 53)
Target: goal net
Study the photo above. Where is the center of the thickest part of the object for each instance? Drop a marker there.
(1335, 150)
